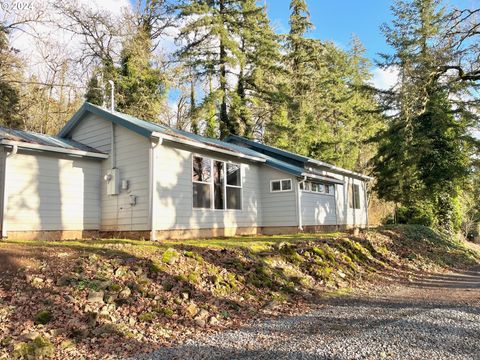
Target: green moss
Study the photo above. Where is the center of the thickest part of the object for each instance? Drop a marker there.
(39, 348)
(43, 317)
(194, 278)
(147, 316)
(194, 255)
(166, 311)
(170, 256)
(115, 287)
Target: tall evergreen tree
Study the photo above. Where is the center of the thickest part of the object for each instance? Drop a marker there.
(9, 93)
(210, 48)
(425, 153)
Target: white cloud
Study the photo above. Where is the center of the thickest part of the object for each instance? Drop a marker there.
(384, 78)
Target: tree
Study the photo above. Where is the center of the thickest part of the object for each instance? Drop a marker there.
(425, 155)
(141, 87)
(94, 94)
(256, 88)
(210, 48)
(9, 93)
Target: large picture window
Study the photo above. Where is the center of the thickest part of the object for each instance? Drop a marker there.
(216, 184)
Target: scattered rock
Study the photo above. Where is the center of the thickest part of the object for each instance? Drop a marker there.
(63, 280)
(125, 293)
(95, 296)
(213, 320)
(202, 314)
(200, 322)
(192, 309)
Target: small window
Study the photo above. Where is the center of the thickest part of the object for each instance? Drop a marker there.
(354, 196)
(281, 185)
(286, 185)
(276, 185)
(202, 169)
(233, 175)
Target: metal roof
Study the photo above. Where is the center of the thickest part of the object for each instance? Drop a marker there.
(30, 139)
(235, 145)
(289, 157)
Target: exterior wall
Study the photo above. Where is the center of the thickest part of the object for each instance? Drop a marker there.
(51, 192)
(173, 195)
(278, 208)
(2, 182)
(318, 209)
(132, 159)
(345, 214)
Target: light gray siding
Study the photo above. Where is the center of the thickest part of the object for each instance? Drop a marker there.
(278, 208)
(51, 192)
(173, 193)
(132, 159)
(347, 215)
(318, 209)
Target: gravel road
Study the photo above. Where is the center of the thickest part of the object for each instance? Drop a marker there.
(434, 317)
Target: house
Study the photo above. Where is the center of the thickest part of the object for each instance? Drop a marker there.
(108, 174)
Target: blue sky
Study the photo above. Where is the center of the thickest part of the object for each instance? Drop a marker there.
(337, 20)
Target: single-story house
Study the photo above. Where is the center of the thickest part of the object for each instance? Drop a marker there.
(110, 174)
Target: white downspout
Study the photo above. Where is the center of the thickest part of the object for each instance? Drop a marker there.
(151, 188)
(299, 203)
(5, 191)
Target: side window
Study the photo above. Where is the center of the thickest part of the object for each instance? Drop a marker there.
(354, 196)
(281, 185)
(234, 187)
(202, 179)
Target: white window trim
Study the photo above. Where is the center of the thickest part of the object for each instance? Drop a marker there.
(320, 193)
(281, 186)
(212, 187)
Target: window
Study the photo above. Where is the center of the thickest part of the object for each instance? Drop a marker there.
(234, 187)
(216, 184)
(281, 185)
(202, 169)
(320, 188)
(354, 196)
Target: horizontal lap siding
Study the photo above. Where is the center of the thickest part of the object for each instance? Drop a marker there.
(174, 191)
(318, 209)
(278, 208)
(52, 193)
(132, 159)
(347, 215)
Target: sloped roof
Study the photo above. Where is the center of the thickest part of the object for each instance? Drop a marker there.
(276, 158)
(289, 157)
(30, 139)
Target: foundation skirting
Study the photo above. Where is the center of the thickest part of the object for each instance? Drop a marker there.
(174, 234)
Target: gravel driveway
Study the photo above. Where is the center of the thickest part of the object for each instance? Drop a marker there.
(434, 317)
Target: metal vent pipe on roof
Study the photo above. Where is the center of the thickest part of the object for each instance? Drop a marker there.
(112, 95)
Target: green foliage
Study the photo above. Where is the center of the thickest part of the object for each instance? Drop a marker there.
(94, 92)
(10, 115)
(327, 111)
(425, 155)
